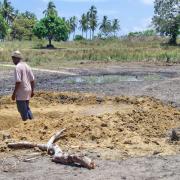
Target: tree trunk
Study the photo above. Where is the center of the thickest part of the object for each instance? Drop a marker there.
(90, 34)
(69, 35)
(74, 35)
(86, 34)
(172, 40)
(50, 42)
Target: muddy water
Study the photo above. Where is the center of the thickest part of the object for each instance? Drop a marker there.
(114, 78)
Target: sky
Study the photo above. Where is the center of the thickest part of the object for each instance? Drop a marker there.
(134, 15)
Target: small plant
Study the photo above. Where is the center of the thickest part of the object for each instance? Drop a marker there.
(79, 38)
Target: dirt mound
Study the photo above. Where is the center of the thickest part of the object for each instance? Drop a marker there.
(126, 126)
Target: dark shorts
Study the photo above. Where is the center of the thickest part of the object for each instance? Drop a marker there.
(24, 110)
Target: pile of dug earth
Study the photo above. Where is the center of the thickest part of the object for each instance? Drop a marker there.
(113, 127)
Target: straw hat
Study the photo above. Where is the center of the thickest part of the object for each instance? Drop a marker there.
(17, 54)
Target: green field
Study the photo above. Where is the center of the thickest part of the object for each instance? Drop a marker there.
(147, 49)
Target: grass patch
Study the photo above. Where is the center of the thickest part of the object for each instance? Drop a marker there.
(66, 53)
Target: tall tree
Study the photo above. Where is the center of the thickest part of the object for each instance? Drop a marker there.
(73, 25)
(22, 26)
(84, 24)
(52, 28)
(51, 9)
(3, 28)
(167, 18)
(106, 27)
(7, 11)
(29, 15)
(115, 26)
(69, 27)
(88, 23)
(93, 20)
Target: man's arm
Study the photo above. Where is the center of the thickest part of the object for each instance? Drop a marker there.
(31, 77)
(32, 87)
(15, 90)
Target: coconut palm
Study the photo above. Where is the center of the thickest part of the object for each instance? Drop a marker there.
(69, 27)
(3, 28)
(105, 26)
(84, 24)
(88, 23)
(7, 11)
(115, 26)
(51, 9)
(93, 22)
(0, 7)
(73, 25)
(29, 15)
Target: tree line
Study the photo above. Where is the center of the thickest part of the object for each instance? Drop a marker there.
(18, 25)
(25, 25)
(89, 23)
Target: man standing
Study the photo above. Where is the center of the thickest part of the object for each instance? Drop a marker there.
(24, 86)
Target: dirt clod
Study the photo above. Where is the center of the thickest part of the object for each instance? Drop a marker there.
(135, 125)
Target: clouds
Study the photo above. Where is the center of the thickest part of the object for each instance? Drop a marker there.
(144, 24)
(108, 12)
(148, 2)
(140, 25)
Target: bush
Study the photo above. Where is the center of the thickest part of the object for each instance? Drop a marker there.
(79, 38)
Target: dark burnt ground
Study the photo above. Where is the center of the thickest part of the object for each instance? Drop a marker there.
(132, 169)
(167, 89)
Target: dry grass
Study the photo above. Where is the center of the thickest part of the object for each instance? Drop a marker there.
(71, 53)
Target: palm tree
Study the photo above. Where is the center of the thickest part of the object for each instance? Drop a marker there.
(115, 26)
(7, 11)
(0, 7)
(93, 20)
(29, 15)
(3, 28)
(88, 23)
(16, 13)
(105, 26)
(83, 24)
(69, 27)
(51, 9)
(73, 25)
(67, 21)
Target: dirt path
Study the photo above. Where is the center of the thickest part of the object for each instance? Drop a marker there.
(145, 168)
(42, 70)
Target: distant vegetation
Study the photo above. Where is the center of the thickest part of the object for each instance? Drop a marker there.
(147, 49)
(16, 25)
(145, 33)
(167, 18)
(99, 41)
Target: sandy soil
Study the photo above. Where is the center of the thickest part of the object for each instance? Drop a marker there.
(131, 126)
(106, 128)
